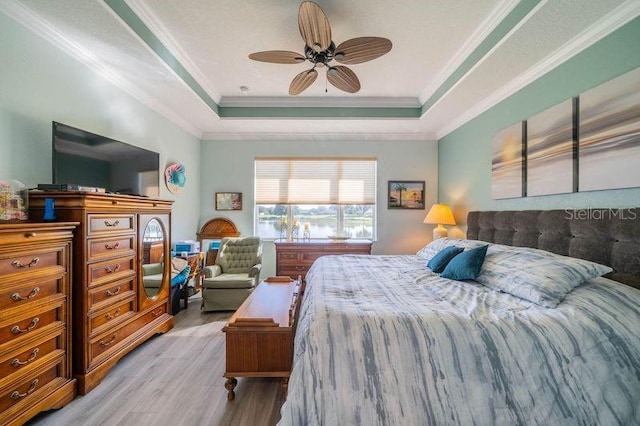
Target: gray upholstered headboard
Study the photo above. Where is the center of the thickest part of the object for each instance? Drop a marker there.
(607, 236)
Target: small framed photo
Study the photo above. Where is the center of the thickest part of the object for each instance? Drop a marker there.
(406, 194)
(228, 200)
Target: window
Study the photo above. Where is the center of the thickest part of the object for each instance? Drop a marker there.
(329, 196)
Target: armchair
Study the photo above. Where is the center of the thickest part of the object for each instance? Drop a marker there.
(234, 276)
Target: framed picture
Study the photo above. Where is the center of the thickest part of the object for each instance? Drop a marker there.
(228, 200)
(406, 194)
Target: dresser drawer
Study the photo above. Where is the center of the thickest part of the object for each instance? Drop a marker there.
(30, 325)
(292, 271)
(288, 258)
(30, 387)
(103, 346)
(111, 316)
(310, 257)
(21, 263)
(111, 270)
(32, 355)
(111, 247)
(32, 290)
(110, 293)
(101, 224)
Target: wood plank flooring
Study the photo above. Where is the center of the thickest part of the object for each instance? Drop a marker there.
(174, 379)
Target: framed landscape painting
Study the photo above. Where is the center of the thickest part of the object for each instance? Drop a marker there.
(228, 200)
(406, 194)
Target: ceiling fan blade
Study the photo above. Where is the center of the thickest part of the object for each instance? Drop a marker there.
(361, 49)
(278, 57)
(302, 81)
(343, 78)
(314, 26)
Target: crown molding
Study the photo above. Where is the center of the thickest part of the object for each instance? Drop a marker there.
(33, 22)
(497, 15)
(344, 136)
(163, 34)
(317, 101)
(611, 22)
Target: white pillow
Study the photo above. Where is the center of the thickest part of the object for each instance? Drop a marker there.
(436, 246)
(539, 276)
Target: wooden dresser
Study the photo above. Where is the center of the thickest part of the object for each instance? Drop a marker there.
(259, 336)
(35, 318)
(295, 258)
(112, 313)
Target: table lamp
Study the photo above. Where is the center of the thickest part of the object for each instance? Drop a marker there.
(440, 214)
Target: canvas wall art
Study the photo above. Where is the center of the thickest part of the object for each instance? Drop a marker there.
(609, 145)
(550, 146)
(507, 162)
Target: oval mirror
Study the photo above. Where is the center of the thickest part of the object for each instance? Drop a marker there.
(152, 257)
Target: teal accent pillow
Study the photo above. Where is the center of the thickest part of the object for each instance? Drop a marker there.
(440, 260)
(466, 265)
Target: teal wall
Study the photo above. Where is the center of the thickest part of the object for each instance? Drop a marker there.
(40, 83)
(399, 231)
(464, 155)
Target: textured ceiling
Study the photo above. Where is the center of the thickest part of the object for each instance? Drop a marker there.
(451, 59)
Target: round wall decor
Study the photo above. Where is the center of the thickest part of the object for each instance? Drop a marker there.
(174, 178)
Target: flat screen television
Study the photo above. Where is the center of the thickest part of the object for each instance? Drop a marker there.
(86, 159)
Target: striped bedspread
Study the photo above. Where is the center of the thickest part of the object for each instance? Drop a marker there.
(383, 341)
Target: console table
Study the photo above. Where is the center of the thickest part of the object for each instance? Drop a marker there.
(295, 258)
(259, 336)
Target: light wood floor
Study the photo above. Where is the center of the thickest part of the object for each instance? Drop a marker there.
(174, 379)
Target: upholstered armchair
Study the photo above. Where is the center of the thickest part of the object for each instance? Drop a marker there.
(234, 276)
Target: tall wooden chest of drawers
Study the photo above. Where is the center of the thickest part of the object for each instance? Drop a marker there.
(35, 316)
(112, 314)
(295, 258)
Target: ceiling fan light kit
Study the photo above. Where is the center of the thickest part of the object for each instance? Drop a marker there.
(320, 50)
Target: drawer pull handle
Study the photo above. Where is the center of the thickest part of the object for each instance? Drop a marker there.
(300, 268)
(111, 224)
(112, 247)
(34, 293)
(112, 293)
(105, 344)
(18, 264)
(17, 330)
(115, 269)
(157, 313)
(30, 234)
(18, 395)
(110, 316)
(16, 362)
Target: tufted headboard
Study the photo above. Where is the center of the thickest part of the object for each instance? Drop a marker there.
(604, 235)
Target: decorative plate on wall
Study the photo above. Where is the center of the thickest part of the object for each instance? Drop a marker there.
(174, 178)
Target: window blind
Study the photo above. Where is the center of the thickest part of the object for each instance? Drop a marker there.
(309, 180)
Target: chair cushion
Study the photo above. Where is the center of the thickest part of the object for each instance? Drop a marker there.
(152, 281)
(238, 255)
(229, 281)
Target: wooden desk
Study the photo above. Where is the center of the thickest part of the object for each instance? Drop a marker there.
(259, 336)
(295, 258)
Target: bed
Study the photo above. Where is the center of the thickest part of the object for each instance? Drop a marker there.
(383, 340)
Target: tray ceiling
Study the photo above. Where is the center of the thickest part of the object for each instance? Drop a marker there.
(450, 60)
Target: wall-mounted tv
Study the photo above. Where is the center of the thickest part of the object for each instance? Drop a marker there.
(86, 159)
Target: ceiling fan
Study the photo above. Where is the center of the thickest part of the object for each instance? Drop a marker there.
(320, 50)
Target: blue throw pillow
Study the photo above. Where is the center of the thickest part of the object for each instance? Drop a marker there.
(466, 265)
(440, 260)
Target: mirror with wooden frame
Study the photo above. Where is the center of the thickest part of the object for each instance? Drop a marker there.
(154, 260)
